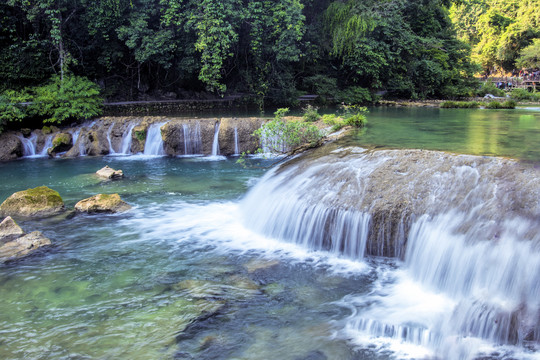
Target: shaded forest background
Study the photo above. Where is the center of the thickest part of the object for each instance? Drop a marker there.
(271, 51)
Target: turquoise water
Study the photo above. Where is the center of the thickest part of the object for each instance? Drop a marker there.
(165, 280)
(511, 133)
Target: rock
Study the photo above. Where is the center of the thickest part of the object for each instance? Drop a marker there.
(260, 264)
(173, 138)
(102, 203)
(37, 202)
(9, 230)
(138, 138)
(61, 142)
(244, 128)
(26, 132)
(22, 246)
(110, 173)
(10, 147)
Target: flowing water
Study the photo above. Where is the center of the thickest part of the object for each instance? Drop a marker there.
(342, 254)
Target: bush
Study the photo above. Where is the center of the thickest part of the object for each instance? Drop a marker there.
(509, 104)
(73, 98)
(489, 88)
(521, 94)
(355, 95)
(460, 104)
(351, 115)
(13, 106)
(281, 136)
(311, 114)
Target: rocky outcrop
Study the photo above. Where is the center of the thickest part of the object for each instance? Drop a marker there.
(37, 202)
(61, 142)
(10, 147)
(14, 243)
(138, 138)
(244, 129)
(102, 203)
(109, 173)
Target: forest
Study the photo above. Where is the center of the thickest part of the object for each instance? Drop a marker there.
(62, 58)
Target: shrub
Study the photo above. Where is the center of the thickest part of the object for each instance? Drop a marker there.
(460, 104)
(509, 104)
(521, 94)
(13, 106)
(282, 136)
(355, 95)
(311, 114)
(489, 88)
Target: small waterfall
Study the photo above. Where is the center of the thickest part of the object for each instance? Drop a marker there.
(109, 131)
(466, 228)
(154, 141)
(236, 148)
(215, 144)
(192, 139)
(75, 135)
(127, 139)
(47, 145)
(29, 145)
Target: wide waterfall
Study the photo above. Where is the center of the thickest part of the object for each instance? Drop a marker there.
(464, 230)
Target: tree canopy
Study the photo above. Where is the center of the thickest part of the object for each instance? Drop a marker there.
(273, 51)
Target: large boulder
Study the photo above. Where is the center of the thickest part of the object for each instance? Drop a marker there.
(10, 147)
(138, 138)
(14, 243)
(61, 142)
(102, 203)
(37, 202)
(109, 173)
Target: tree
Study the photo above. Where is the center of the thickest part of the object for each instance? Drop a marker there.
(529, 56)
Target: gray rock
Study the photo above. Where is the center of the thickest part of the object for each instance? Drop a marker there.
(102, 203)
(109, 173)
(10, 147)
(9, 230)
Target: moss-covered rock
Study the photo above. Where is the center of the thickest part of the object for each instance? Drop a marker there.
(102, 203)
(138, 138)
(61, 142)
(37, 202)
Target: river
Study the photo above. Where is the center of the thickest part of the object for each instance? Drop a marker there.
(220, 261)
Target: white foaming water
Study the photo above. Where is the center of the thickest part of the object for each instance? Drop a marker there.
(192, 139)
(46, 146)
(236, 147)
(469, 285)
(127, 140)
(29, 145)
(215, 143)
(109, 131)
(154, 141)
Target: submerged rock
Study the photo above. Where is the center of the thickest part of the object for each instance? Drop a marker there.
(109, 173)
(37, 202)
(14, 243)
(10, 147)
(102, 203)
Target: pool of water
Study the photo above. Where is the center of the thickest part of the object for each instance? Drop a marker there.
(179, 276)
(511, 133)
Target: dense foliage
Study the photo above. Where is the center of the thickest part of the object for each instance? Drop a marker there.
(498, 30)
(271, 50)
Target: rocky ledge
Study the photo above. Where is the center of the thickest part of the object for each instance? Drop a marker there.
(14, 243)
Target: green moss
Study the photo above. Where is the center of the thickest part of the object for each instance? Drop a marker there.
(61, 139)
(46, 130)
(140, 135)
(37, 195)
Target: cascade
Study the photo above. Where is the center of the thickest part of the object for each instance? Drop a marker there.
(29, 145)
(46, 146)
(236, 148)
(464, 230)
(154, 141)
(109, 131)
(192, 139)
(75, 135)
(215, 143)
(125, 148)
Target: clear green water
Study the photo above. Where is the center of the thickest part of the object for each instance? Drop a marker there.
(161, 281)
(510, 133)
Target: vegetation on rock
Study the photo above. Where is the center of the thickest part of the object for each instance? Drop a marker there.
(38, 202)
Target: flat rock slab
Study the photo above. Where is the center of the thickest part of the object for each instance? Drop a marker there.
(102, 203)
(37, 202)
(14, 243)
(109, 173)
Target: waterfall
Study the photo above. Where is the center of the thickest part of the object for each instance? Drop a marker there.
(192, 139)
(109, 131)
(127, 139)
(465, 231)
(154, 141)
(46, 146)
(75, 135)
(215, 144)
(236, 148)
(29, 145)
